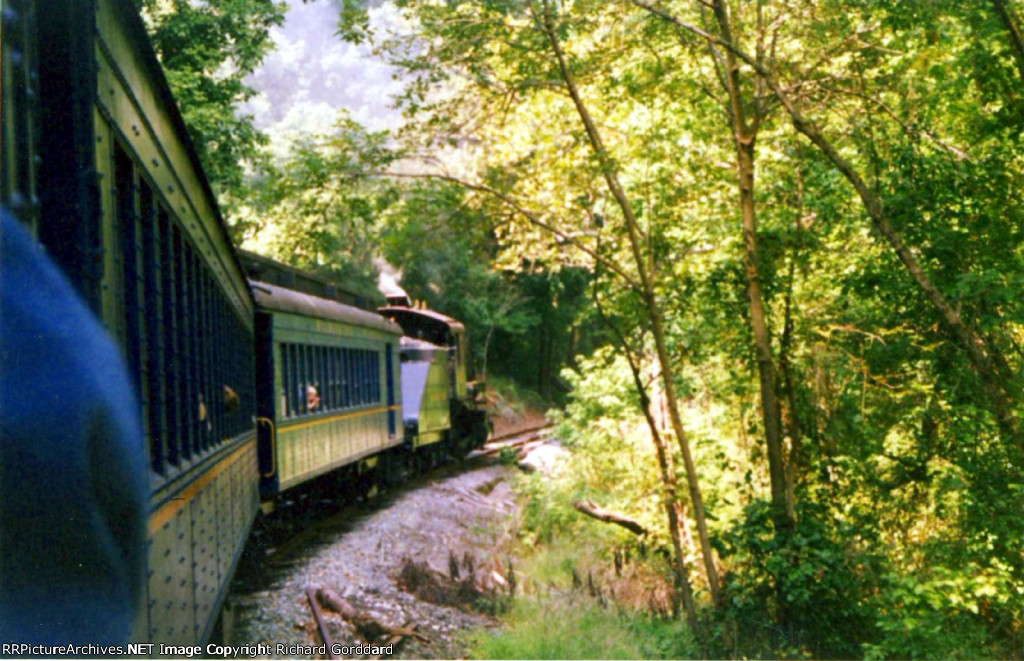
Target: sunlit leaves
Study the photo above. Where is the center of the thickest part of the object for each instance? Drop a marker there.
(320, 208)
(903, 476)
(207, 49)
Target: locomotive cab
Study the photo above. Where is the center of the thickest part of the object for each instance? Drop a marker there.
(447, 336)
(426, 414)
(439, 330)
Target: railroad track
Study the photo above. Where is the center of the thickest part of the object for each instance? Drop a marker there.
(358, 551)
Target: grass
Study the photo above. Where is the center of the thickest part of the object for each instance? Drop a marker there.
(599, 614)
(575, 627)
(548, 619)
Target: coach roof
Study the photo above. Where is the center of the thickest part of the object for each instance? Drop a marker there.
(278, 299)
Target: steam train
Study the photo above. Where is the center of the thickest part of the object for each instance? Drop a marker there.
(252, 378)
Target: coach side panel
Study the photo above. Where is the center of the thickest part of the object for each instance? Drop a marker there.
(331, 396)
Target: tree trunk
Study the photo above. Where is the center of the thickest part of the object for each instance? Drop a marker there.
(792, 420)
(745, 136)
(671, 489)
(1016, 41)
(649, 298)
(676, 524)
(780, 491)
(984, 354)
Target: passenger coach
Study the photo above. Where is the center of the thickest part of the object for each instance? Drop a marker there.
(98, 164)
(328, 394)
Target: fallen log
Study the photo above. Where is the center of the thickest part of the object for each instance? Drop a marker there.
(369, 628)
(489, 449)
(321, 626)
(521, 432)
(593, 511)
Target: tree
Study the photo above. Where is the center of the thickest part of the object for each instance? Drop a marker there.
(319, 210)
(513, 57)
(985, 354)
(886, 353)
(207, 49)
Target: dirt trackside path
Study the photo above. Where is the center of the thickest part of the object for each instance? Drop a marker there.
(441, 539)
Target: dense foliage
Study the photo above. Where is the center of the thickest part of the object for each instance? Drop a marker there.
(780, 248)
(207, 49)
(802, 228)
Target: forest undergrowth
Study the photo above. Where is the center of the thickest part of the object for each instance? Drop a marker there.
(769, 256)
(588, 589)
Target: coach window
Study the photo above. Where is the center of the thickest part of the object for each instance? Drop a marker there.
(314, 379)
(364, 376)
(346, 400)
(356, 384)
(336, 377)
(368, 375)
(284, 384)
(181, 348)
(353, 372)
(370, 378)
(297, 394)
(300, 376)
(353, 389)
(363, 394)
(327, 391)
(154, 329)
(294, 396)
(168, 335)
(357, 377)
(361, 376)
(303, 377)
(352, 384)
(376, 376)
(285, 380)
(343, 376)
(360, 398)
(324, 387)
(325, 381)
(312, 387)
(332, 369)
(293, 380)
(323, 376)
(283, 348)
(377, 371)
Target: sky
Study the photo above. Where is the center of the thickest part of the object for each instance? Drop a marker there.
(312, 74)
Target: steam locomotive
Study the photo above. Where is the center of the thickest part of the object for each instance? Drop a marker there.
(252, 378)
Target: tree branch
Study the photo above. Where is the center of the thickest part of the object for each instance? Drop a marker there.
(1015, 37)
(530, 216)
(593, 511)
(985, 356)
